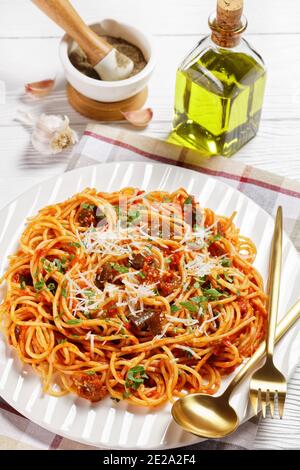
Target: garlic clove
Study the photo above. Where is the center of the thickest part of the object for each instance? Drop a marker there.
(40, 89)
(139, 118)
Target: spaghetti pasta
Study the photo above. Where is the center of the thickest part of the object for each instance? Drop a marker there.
(140, 296)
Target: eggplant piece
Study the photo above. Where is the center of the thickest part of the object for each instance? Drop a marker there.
(148, 320)
(107, 274)
(90, 387)
(137, 261)
(26, 278)
(91, 215)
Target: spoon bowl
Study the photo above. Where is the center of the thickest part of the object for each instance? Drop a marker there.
(205, 416)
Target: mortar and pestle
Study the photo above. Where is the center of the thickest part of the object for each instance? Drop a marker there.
(116, 92)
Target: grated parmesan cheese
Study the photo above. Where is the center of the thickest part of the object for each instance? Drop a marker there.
(91, 337)
(189, 350)
(185, 321)
(210, 320)
(201, 266)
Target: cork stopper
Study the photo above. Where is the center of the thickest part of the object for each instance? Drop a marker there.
(229, 13)
(228, 24)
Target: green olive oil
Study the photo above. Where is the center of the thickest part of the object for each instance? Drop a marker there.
(219, 101)
(219, 93)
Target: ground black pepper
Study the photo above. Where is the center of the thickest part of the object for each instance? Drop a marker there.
(81, 63)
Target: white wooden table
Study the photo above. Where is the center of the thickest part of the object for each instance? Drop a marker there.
(28, 52)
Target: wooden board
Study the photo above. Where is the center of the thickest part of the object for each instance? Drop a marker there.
(104, 111)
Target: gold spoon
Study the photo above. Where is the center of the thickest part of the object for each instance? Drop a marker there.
(214, 417)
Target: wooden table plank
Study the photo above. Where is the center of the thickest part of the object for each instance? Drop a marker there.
(163, 17)
(282, 94)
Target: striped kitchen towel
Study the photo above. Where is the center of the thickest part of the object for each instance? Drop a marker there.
(101, 144)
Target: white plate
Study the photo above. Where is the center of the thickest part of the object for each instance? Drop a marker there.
(106, 424)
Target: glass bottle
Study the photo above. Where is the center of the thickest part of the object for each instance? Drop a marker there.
(220, 87)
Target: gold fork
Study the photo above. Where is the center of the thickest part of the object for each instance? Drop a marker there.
(268, 383)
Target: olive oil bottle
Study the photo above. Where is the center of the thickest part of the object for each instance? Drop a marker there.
(220, 88)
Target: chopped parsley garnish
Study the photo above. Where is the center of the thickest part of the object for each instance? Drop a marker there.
(64, 292)
(215, 238)
(39, 285)
(87, 314)
(226, 262)
(87, 206)
(212, 294)
(89, 293)
(22, 284)
(174, 308)
(196, 285)
(142, 275)
(46, 265)
(76, 244)
(56, 264)
(90, 372)
(76, 321)
(119, 268)
(199, 299)
(72, 257)
(133, 216)
(201, 280)
(189, 200)
(169, 260)
(135, 377)
(61, 341)
(228, 278)
(126, 394)
(190, 306)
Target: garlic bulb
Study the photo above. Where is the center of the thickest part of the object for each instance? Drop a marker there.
(51, 134)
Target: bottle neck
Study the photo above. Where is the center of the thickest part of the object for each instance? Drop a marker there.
(230, 37)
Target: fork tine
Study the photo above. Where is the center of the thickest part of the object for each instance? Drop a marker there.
(272, 396)
(254, 400)
(262, 398)
(267, 399)
(281, 400)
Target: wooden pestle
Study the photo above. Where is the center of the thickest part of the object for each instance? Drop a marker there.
(95, 47)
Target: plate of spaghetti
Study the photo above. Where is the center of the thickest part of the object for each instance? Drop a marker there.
(127, 286)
